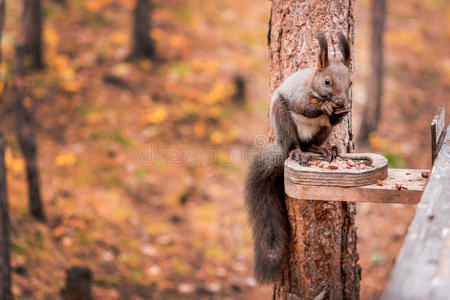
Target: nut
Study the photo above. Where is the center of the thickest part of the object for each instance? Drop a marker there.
(425, 174)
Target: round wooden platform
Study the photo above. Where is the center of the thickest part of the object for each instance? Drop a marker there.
(298, 174)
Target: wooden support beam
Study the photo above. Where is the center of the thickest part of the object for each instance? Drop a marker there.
(422, 270)
(437, 132)
(412, 185)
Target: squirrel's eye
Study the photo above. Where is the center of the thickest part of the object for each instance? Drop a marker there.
(327, 81)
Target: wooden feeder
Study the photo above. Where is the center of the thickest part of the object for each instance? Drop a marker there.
(304, 175)
(376, 184)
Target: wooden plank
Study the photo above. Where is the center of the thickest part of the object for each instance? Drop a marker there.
(437, 132)
(422, 270)
(412, 180)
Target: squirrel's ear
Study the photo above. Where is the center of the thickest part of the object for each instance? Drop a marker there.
(323, 54)
(345, 49)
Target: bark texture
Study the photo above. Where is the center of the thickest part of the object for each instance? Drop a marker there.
(32, 20)
(372, 110)
(143, 44)
(27, 139)
(323, 257)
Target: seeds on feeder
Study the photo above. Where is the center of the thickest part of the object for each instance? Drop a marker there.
(332, 166)
(425, 174)
(311, 163)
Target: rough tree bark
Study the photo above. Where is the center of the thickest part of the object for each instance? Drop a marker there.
(372, 110)
(32, 23)
(27, 139)
(143, 44)
(5, 267)
(323, 257)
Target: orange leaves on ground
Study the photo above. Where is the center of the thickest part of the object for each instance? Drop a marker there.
(120, 38)
(216, 137)
(14, 165)
(219, 92)
(156, 116)
(65, 159)
(59, 231)
(209, 67)
(96, 6)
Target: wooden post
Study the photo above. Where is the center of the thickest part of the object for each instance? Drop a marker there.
(143, 44)
(422, 270)
(78, 284)
(323, 257)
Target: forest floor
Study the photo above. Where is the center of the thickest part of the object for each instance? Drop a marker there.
(142, 162)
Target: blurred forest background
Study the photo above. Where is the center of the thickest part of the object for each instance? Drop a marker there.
(142, 151)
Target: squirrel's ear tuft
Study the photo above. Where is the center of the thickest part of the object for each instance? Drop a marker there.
(323, 54)
(345, 49)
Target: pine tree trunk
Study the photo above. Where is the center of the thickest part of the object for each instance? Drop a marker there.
(323, 257)
(5, 268)
(27, 139)
(372, 110)
(143, 45)
(32, 21)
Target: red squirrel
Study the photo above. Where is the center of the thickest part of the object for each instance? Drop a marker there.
(303, 110)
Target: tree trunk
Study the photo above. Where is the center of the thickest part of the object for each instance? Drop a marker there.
(32, 21)
(323, 257)
(372, 110)
(143, 45)
(78, 284)
(27, 140)
(5, 267)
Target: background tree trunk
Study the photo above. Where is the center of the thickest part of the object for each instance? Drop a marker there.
(32, 21)
(372, 110)
(78, 284)
(143, 45)
(26, 137)
(5, 267)
(323, 257)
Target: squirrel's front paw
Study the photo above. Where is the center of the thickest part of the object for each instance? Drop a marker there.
(335, 152)
(298, 156)
(340, 112)
(327, 107)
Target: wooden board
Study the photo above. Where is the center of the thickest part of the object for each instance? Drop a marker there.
(437, 131)
(303, 175)
(388, 193)
(422, 270)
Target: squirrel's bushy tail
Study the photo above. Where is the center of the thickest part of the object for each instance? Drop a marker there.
(264, 196)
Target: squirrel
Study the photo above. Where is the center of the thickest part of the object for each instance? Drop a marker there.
(303, 110)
